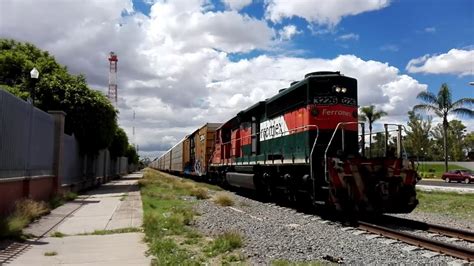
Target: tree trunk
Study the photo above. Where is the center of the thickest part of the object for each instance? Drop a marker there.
(445, 143)
(370, 140)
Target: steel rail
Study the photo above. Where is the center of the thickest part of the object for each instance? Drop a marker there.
(431, 244)
(433, 228)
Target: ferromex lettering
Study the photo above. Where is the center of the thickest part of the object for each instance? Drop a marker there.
(273, 128)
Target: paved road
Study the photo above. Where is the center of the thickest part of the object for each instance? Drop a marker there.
(441, 183)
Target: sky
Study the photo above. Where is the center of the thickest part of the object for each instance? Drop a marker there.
(183, 63)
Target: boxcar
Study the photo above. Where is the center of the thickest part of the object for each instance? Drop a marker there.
(198, 147)
(177, 158)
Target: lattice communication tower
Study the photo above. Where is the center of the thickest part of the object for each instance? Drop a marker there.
(112, 95)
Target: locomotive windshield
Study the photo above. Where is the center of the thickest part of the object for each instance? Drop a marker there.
(333, 90)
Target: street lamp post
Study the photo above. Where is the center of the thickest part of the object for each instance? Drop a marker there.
(34, 74)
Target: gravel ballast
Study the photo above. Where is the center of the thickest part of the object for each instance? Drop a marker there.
(273, 233)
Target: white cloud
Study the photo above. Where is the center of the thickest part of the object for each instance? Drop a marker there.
(174, 68)
(389, 48)
(321, 12)
(287, 32)
(188, 27)
(430, 29)
(456, 61)
(349, 36)
(236, 4)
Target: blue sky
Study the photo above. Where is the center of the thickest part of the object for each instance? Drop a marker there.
(404, 30)
(183, 63)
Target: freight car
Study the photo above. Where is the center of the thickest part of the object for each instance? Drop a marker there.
(191, 155)
(306, 143)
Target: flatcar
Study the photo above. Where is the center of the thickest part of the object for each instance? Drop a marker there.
(306, 144)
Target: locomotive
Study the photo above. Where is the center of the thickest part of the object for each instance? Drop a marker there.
(305, 144)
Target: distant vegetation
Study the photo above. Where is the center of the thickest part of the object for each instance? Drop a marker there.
(426, 170)
(442, 105)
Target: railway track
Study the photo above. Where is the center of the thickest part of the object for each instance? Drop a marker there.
(461, 234)
(424, 242)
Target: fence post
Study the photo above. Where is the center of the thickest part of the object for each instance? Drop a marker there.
(59, 120)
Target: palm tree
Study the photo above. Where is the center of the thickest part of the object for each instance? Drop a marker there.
(442, 106)
(370, 115)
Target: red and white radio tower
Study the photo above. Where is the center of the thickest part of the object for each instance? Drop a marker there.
(113, 59)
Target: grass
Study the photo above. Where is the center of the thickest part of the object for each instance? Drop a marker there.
(446, 203)
(26, 211)
(57, 234)
(123, 197)
(61, 198)
(426, 170)
(200, 193)
(114, 231)
(167, 220)
(50, 253)
(224, 243)
(223, 199)
(233, 259)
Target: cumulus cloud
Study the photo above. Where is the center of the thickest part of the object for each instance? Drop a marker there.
(320, 11)
(287, 32)
(236, 4)
(175, 70)
(456, 61)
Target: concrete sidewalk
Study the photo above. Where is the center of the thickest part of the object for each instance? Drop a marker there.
(112, 206)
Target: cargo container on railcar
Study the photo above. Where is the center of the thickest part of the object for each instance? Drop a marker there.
(198, 147)
(177, 163)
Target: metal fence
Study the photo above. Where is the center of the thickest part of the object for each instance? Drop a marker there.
(72, 171)
(26, 139)
(27, 147)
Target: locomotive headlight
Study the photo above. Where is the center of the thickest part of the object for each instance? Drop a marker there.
(338, 89)
(343, 90)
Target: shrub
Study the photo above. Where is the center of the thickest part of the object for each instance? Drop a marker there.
(223, 199)
(199, 193)
(224, 243)
(26, 210)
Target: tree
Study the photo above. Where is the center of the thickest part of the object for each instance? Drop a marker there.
(90, 115)
(378, 145)
(119, 144)
(469, 145)
(442, 106)
(370, 115)
(132, 155)
(417, 141)
(456, 140)
(456, 135)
